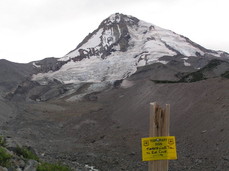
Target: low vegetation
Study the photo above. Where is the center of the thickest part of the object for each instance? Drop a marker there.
(212, 64)
(52, 167)
(226, 74)
(193, 77)
(2, 141)
(26, 153)
(4, 158)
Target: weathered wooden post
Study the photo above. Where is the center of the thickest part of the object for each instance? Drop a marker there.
(159, 147)
(159, 126)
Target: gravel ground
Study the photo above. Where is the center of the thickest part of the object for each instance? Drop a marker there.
(105, 134)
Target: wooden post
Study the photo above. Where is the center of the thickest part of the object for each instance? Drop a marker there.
(159, 126)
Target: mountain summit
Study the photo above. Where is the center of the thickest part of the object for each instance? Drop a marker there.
(118, 46)
(121, 33)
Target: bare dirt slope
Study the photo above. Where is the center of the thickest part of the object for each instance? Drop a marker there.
(199, 118)
(106, 132)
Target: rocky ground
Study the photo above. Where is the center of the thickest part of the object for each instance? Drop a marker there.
(106, 132)
(103, 130)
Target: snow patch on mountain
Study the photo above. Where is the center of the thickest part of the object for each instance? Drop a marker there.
(177, 42)
(35, 65)
(94, 41)
(186, 63)
(117, 66)
(144, 40)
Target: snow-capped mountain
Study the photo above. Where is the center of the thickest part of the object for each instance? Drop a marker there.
(73, 123)
(117, 47)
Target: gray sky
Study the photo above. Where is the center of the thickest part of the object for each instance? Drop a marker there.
(34, 29)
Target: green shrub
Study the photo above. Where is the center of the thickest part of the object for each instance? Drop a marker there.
(226, 74)
(2, 141)
(52, 167)
(212, 64)
(26, 153)
(4, 158)
(193, 77)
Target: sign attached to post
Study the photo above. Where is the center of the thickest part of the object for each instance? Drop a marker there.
(159, 148)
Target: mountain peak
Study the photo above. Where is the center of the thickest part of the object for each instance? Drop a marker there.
(118, 46)
(111, 35)
(114, 18)
(118, 17)
(120, 32)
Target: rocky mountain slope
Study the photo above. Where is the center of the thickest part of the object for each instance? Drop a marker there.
(104, 129)
(114, 51)
(13, 73)
(90, 108)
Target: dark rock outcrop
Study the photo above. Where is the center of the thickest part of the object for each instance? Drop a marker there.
(117, 24)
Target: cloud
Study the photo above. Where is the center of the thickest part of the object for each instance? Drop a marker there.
(54, 27)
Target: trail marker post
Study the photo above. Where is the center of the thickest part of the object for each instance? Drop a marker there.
(159, 147)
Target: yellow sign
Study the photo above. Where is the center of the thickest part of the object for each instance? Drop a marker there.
(159, 148)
